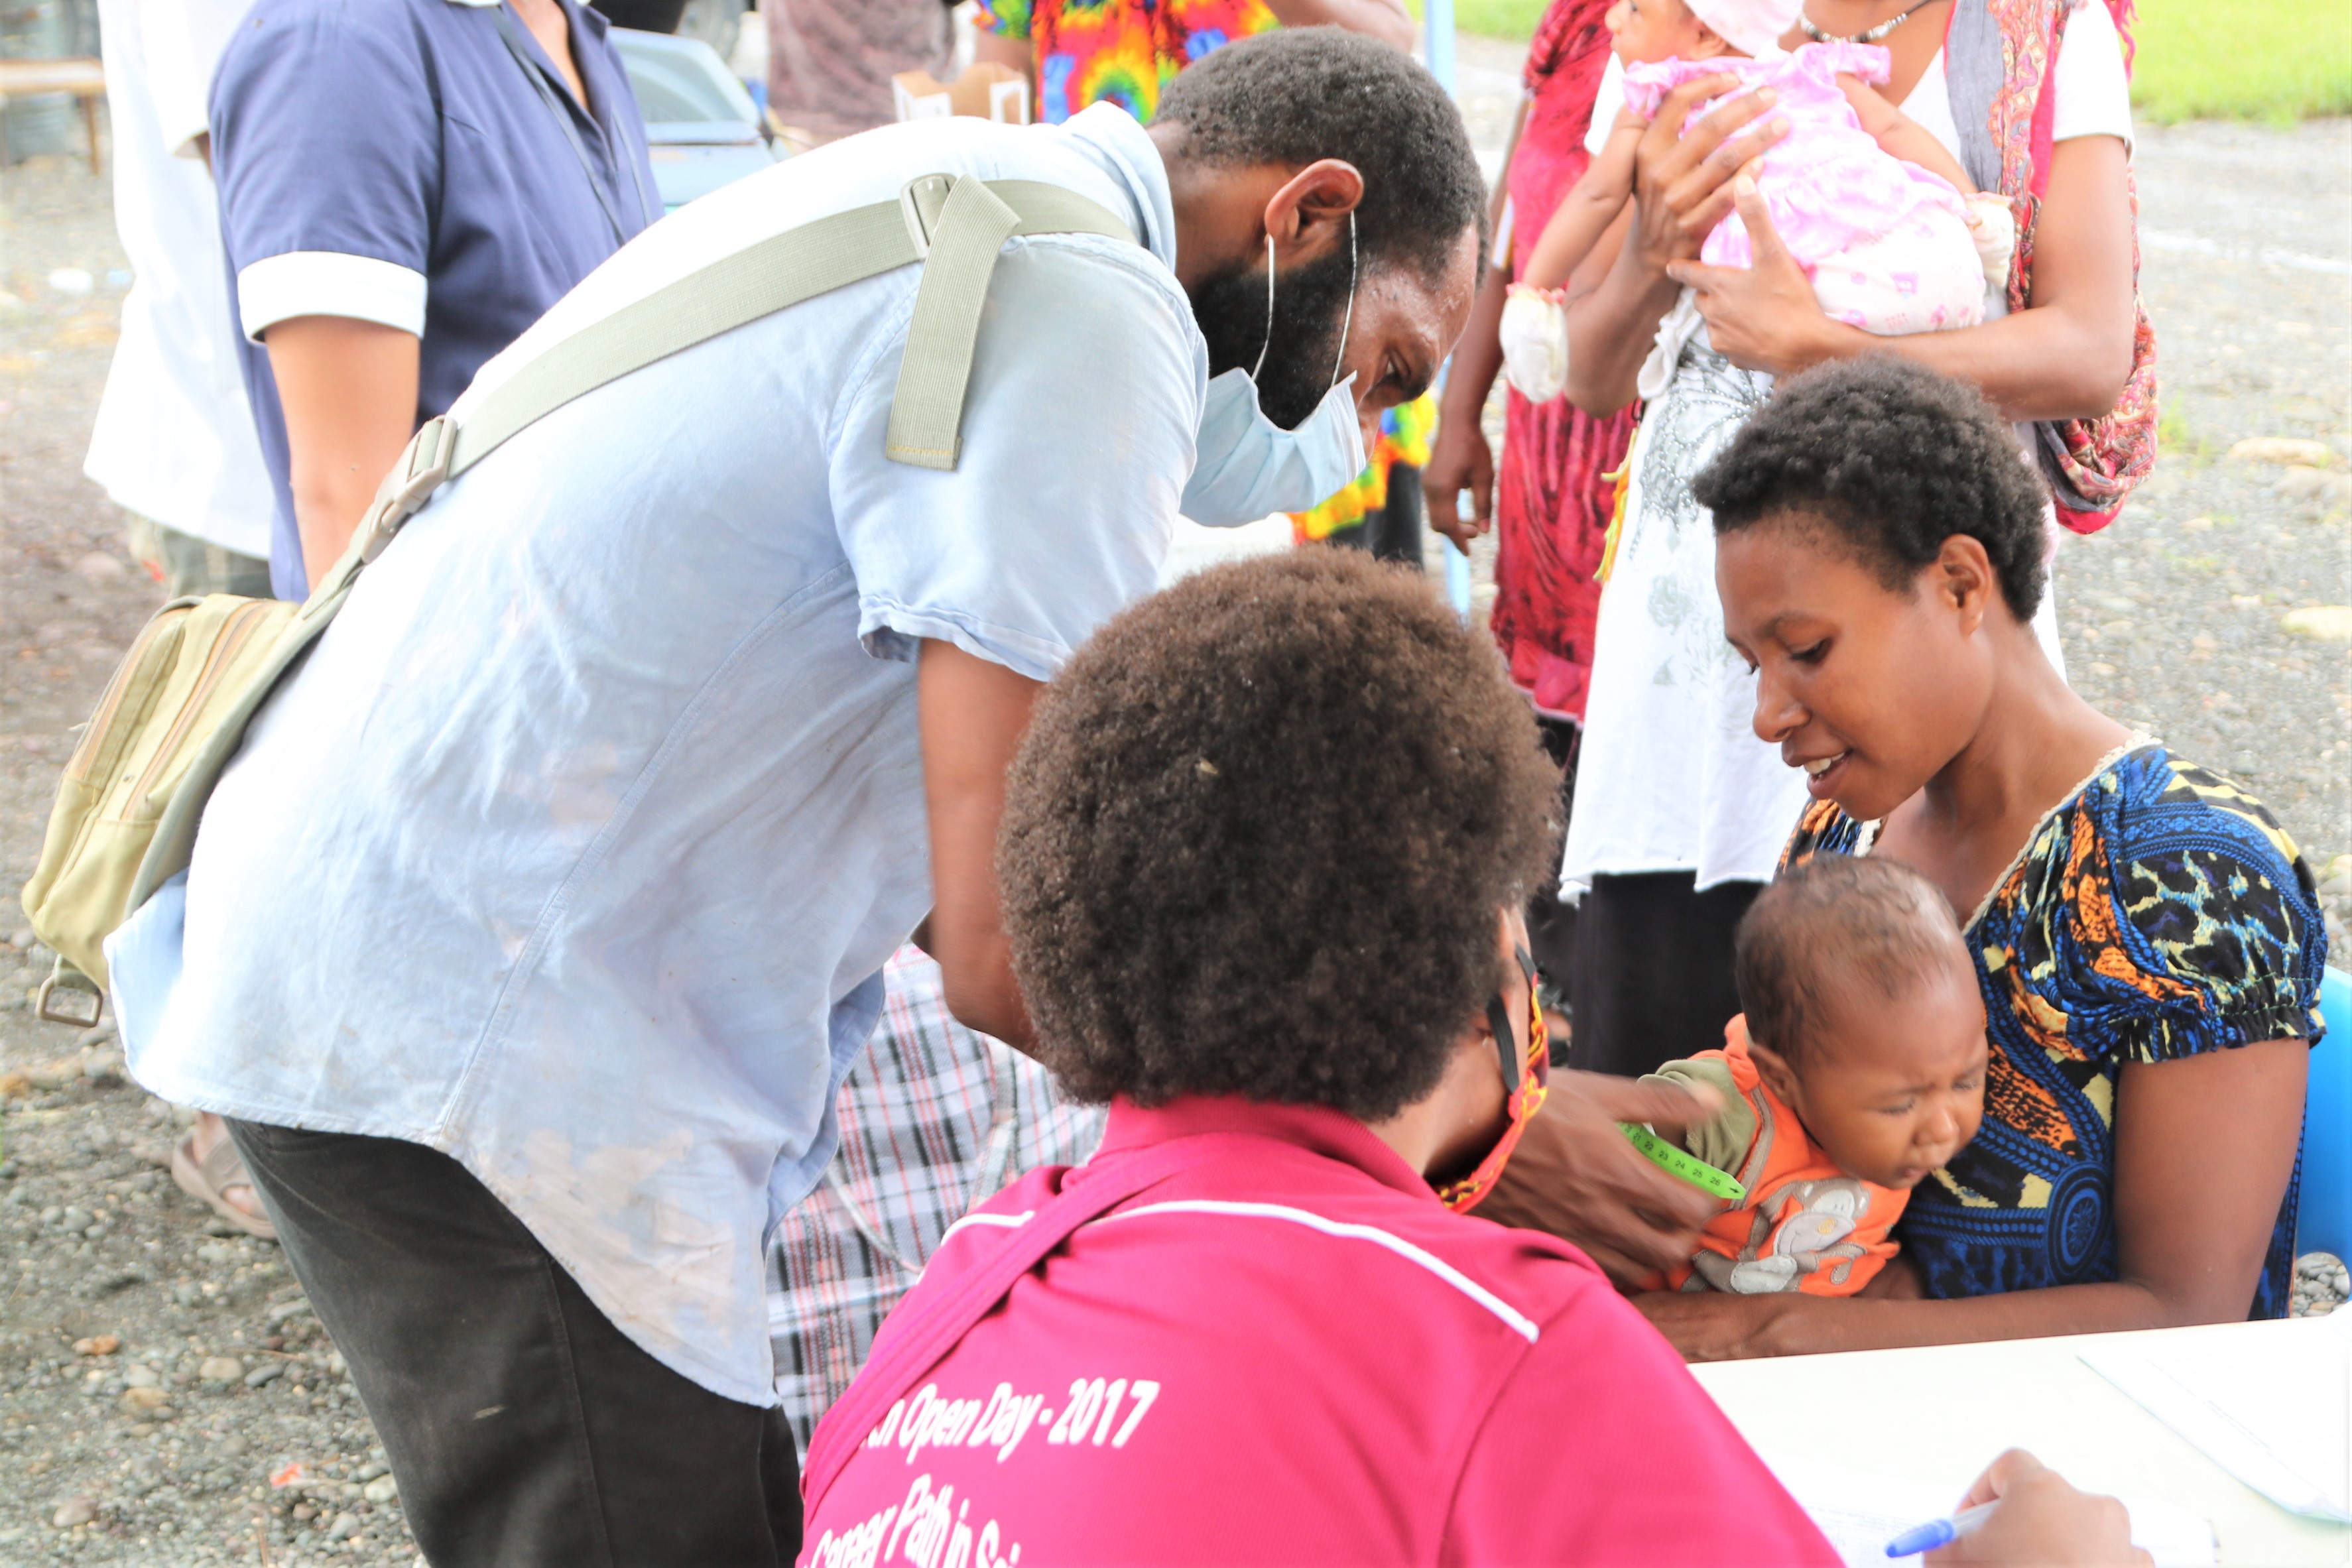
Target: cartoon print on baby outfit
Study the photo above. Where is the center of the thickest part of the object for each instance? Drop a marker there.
(1804, 1229)
(1805, 1225)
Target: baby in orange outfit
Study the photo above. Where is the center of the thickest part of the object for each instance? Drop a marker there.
(1858, 1069)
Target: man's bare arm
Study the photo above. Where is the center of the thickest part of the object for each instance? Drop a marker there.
(973, 714)
(349, 392)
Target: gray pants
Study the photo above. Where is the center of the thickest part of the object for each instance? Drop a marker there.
(187, 564)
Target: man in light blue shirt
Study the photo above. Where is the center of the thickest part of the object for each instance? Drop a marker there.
(530, 936)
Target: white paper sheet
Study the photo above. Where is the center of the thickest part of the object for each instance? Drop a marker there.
(2273, 1411)
(1860, 1512)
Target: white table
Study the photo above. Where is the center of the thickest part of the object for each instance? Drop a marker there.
(1946, 1410)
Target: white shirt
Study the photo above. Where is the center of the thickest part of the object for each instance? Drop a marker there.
(173, 440)
(1672, 777)
(578, 847)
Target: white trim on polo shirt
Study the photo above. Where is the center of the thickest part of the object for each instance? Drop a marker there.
(1519, 1323)
(329, 283)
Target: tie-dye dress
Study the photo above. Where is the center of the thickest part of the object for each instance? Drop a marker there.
(1126, 52)
(2158, 913)
(1117, 51)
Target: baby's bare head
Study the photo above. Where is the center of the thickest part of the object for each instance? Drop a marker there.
(1864, 1013)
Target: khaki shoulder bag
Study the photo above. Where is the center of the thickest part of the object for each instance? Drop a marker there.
(177, 708)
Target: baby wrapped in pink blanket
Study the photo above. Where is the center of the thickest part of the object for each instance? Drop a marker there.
(1886, 244)
(1889, 247)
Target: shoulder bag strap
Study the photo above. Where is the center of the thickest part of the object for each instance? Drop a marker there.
(956, 222)
(924, 1328)
(954, 225)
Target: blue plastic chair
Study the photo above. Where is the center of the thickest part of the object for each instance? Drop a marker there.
(2324, 1224)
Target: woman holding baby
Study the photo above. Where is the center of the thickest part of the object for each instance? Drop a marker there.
(2145, 940)
(1680, 814)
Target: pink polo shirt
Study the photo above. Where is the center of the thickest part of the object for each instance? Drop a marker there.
(1297, 1355)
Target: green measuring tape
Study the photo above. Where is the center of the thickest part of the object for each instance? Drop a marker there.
(1676, 1162)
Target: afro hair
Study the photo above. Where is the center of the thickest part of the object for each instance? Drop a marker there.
(1300, 94)
(1894, 459)
(1259, 834)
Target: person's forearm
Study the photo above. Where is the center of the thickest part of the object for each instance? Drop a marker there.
(1582, 220)
(330, 497)
(971, 714)
(1906, 139)
(1900, 136)
(348, 391)
(1582, 217)
(1383, 19)
(1807, 1326)
(2032, 364)
(1609, 331)
(1477, 353)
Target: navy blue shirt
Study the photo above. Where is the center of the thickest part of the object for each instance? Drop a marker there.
(394, 161)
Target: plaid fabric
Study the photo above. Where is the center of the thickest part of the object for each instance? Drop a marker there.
(934, 1119)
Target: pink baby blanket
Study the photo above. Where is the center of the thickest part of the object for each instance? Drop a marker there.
(1826, 184)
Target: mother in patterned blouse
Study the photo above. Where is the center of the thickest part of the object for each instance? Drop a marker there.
(2145, 935)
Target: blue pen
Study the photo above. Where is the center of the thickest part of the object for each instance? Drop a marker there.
(1940, 1531)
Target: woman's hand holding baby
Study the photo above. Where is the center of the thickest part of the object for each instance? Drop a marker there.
(1765, 317)
(1682, 175)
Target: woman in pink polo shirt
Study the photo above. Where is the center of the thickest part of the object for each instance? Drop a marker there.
(1257, 1327)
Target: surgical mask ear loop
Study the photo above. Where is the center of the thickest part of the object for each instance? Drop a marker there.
(1345, 323)
(1261, 347)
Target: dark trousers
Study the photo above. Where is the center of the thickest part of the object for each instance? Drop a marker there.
(1650, 969)
(522, 1426)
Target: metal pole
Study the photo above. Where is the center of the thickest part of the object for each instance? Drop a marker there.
(1437, 19)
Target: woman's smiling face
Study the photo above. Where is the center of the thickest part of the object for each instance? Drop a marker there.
(1870, 689)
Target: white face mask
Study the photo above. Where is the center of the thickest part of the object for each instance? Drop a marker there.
(1245, 465)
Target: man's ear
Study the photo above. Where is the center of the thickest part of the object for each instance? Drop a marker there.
(1307, 215)
(1774, 1070)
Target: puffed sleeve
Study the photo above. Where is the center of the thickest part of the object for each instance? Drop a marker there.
(2211, 918)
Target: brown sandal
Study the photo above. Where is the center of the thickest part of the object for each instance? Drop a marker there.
(209, 1178)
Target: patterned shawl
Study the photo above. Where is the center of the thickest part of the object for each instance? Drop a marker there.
(1998, 56)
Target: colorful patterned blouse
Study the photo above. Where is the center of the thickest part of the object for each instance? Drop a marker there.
(2157, 913)
(1122, 50)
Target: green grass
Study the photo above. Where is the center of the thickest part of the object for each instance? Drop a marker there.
(2278, 60)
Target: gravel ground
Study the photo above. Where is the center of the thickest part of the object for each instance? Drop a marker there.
(155, 1375)
(157, 1379)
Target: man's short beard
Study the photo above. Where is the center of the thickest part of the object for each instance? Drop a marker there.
(1310, 302)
